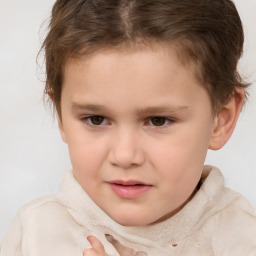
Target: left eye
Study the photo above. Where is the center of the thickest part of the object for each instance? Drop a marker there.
(159, 121)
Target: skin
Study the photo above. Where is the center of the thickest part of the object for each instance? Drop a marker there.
(128, 88)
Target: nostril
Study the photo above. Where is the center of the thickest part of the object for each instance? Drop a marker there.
(126, 154)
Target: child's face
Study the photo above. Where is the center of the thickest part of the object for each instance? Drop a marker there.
(136, 117)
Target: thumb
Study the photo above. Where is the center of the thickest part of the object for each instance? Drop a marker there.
(96, 245)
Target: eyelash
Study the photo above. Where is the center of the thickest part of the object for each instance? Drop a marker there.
(167, 121)
(87, 120)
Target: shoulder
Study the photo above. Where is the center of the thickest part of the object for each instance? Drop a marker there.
(45, 208)
(49, 205)
(38, 204)
(224, 206)
(28, 221)
(235, 224)
(238, 210)
(37, 225)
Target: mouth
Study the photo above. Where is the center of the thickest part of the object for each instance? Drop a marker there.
(129, 189)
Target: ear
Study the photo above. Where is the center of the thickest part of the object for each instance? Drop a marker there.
(49, 92)
(62, 131)
(225, 120)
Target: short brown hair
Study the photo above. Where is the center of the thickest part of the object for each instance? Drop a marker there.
(208, 33)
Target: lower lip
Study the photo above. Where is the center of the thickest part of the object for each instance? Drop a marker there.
(129, 192)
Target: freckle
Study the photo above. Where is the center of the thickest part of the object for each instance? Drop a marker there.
(174, 245)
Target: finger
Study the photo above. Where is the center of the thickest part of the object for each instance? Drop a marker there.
(96, 245)
(121, 249)
(90, 252)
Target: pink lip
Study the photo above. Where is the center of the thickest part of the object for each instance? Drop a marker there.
(129, 189)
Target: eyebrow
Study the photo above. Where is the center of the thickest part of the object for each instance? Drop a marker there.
(152, 110)
(89, 107)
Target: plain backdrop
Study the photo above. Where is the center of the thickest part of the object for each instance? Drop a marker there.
(33, 157)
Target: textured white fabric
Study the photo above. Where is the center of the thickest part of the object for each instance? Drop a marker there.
(217, 221)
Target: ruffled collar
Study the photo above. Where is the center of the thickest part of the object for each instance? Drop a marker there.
(182, 224)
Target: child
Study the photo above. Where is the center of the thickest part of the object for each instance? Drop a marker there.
(142, 90)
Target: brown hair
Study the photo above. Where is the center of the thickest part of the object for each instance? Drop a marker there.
(208, 33)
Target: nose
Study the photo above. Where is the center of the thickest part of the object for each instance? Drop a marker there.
(126, 150)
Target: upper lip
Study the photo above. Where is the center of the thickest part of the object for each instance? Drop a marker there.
(128, 182)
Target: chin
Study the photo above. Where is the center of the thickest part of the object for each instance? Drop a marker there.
(131, 223)
(131, 220)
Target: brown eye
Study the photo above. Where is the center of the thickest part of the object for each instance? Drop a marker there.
(96, 120)
(158, 121)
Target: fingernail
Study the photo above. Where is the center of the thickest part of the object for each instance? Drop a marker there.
(110, 238)
(89, 237)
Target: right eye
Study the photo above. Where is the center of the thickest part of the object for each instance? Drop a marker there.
(95, 120)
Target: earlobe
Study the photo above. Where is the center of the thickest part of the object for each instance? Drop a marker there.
(62, 132)
(49, 92)
(225, 121)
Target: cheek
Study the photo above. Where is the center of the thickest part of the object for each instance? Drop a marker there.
(178, 174)
(176, 153)
(179, 159)
(86, 154)
(189, 146)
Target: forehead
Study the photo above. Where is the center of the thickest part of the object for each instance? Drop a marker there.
(131, 79)
(157, 57)
(135, 67)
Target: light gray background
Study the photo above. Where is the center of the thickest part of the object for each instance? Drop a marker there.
(33, 157)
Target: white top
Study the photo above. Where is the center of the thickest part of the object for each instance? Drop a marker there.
(217, 221)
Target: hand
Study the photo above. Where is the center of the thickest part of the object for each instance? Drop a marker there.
(98, 248)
